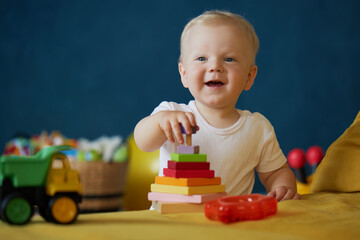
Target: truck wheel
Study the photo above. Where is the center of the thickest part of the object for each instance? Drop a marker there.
(15, 209)
(63, 209)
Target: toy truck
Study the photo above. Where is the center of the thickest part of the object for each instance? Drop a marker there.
(44, 180)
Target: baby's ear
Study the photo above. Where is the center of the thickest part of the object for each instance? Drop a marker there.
(182, 72)
(251, 77)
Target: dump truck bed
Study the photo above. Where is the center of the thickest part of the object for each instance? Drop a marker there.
(24, 171)
(28, 171)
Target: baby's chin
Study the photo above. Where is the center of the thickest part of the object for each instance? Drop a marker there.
(214, 103)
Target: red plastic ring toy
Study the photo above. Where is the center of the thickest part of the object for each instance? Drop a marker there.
(240, 208)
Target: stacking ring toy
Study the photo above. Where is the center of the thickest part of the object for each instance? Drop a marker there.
(230, 209)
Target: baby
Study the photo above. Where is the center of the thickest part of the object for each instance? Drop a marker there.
(217, 62)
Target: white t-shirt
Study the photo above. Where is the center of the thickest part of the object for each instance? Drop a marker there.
(233, 152)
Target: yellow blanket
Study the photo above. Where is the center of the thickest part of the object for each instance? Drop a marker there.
(340, 169)
(317, 216)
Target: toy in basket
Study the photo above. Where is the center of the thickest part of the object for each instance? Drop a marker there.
(102, 173)
(103, 185)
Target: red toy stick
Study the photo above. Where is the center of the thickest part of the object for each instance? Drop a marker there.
(240, 208)
(314, 155)
(296, 160)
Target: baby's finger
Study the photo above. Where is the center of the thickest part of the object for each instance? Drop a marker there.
(191, 118)
(280, 193)
(297, 196)
(289, 194)
(271, 194)
(168, 131)
(177, 131)
(185, 125)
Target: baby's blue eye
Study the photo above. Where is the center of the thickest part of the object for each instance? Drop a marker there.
(201, 59)
(229, 59)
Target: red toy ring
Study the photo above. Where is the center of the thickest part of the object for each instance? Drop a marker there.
(240, 208)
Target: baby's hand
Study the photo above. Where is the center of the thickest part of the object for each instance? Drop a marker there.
(170, 122)
(283, 193)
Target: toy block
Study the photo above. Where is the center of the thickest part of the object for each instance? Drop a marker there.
(188, 136)
(164, 208)
(187, 182)
(189, 165)
(188, 173)
(188, 149)
(179, 198)
(193, 130)
(178, 157)
(188, 141)
(187, 190)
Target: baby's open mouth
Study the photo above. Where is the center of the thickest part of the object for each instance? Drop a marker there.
(214, 84)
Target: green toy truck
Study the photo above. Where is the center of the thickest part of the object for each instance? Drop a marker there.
(45, 181)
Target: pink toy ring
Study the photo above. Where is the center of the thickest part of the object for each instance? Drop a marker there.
(240, 208)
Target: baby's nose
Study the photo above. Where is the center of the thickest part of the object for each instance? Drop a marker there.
(215, 66)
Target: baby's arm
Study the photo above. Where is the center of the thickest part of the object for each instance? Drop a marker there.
(152, 131)
(280, 183)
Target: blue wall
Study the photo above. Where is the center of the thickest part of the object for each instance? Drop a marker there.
(89, 68)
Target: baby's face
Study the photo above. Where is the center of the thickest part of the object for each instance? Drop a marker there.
(216, 64)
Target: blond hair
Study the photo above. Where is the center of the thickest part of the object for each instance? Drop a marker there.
(216, 17)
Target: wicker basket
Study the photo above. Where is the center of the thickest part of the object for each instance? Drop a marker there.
(103, 185)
